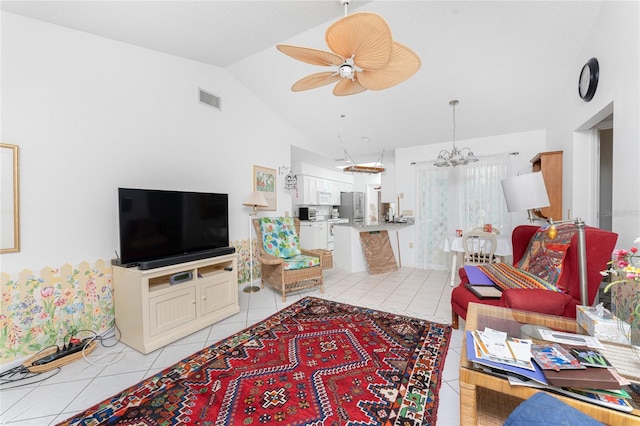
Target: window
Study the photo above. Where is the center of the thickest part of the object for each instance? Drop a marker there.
(463, 197)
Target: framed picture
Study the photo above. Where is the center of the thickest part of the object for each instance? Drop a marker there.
(264, 181)
(9, 216)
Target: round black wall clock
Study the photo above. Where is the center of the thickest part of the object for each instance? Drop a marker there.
(588, 81)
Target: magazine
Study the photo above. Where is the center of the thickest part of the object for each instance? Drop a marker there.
(571, 339)
(590, 358)
(599, 397)
(610, 401)
(552, 356)
(474, 355)
(493, 345)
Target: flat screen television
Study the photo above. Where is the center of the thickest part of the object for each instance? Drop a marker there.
(160, 228)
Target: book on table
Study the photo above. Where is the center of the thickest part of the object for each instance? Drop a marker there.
(494, 345)
(611, 399)
(589, 378)
(590, 357)
(552, 356)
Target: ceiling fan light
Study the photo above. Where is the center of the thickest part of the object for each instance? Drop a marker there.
(346, 71)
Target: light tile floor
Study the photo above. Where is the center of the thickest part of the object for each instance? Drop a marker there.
(415, 292)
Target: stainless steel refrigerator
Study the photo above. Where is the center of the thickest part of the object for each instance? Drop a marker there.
(352, 207)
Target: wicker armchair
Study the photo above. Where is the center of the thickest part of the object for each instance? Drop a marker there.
(275, 272)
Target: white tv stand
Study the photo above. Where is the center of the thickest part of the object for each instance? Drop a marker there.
(150, 312)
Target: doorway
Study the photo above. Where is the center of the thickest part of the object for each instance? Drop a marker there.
(605, 181)
(372, 210)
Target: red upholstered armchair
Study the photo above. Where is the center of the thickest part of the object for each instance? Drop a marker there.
(599, 245)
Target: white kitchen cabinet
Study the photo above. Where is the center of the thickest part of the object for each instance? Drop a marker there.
(314, 235)
(310, 188)
(307, 192)
(342, 187)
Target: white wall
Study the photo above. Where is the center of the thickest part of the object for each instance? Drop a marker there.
(615, 42)
(527, 144)
(91, 114)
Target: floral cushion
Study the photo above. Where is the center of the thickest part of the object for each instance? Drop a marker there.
(279, 237)
(300, 262)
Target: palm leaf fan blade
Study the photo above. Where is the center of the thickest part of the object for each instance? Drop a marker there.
(364, 36)
(347, 87)
(403, 64)
(311, 56)
(315, 80)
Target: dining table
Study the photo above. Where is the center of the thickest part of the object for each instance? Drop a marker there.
(454, 245)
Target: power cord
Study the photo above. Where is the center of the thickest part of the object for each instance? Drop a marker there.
(101, 338)
(22, 376)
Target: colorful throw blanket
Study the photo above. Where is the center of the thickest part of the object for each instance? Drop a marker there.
(507, 276)
(545, 255)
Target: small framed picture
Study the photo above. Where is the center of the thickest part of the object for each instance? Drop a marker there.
(264, 181)
(9, 194)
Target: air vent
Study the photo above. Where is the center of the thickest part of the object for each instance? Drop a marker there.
(210, 99)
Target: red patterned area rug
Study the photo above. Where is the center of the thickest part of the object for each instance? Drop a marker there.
(315, 362)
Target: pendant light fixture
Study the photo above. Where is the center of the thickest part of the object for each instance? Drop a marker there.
(456, 157)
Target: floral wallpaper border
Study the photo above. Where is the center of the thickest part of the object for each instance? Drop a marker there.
(45, 309)
(42, 309)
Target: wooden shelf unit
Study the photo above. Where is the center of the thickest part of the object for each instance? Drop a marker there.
(151, 312)
(550, 164)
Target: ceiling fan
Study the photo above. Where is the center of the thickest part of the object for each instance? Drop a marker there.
(363, 52)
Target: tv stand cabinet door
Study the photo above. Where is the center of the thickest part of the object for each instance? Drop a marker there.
(171, 310)
(218, 293)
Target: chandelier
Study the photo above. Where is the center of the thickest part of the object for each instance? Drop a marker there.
(456, 157)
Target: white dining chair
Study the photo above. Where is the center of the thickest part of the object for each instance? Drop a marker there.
(479, 247)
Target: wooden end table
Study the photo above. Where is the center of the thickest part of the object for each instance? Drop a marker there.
(486, 399)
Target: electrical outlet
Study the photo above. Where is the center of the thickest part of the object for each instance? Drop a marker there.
(286, 214)
(410, 245)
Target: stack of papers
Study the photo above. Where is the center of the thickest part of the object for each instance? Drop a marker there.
(571, 368)
(493, 345)
(503, 366)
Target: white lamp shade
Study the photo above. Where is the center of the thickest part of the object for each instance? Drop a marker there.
(255, 199)
(525, 192)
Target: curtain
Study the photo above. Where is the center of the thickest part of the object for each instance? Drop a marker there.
(463, 197)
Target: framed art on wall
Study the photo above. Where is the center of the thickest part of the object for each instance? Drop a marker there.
(9, 216)
(264, 181)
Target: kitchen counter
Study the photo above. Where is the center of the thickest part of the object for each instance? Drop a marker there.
(347, 253)
(391, 226)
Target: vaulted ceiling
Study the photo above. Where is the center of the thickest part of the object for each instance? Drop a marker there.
(504, 60)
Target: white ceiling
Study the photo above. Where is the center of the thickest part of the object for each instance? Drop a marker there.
(504, 61)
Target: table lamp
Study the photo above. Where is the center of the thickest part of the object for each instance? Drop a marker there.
(255, 200)
(526, 192)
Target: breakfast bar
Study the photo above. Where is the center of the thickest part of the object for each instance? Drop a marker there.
(348, 254)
